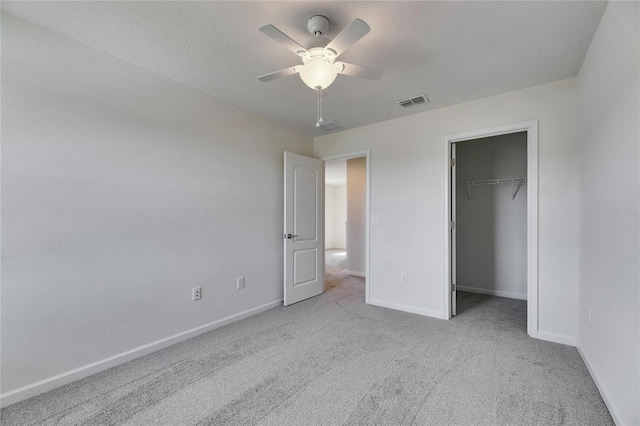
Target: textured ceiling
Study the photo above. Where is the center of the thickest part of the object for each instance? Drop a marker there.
(452, 51)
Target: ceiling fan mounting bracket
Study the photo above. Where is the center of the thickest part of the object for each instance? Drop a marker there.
(318, 25)
(326, 55)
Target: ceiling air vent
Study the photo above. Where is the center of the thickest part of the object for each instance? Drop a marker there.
(331, 126)
(418, 100)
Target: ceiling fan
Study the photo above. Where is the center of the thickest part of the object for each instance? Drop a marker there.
(319, 67)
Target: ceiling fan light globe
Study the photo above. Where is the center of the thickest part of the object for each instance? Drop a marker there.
(318, 73)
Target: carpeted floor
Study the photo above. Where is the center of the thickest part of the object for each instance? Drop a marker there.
(334, 360)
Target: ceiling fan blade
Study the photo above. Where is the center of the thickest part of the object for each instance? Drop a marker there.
(347, 37)
(282, 38)
(277, 74)
(354, 70)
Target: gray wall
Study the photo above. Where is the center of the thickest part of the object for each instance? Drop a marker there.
(122, 190)
(609, 247)
(408, 184)
(356, 215)
(492, 227)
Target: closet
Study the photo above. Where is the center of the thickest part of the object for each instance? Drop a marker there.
(491, 215)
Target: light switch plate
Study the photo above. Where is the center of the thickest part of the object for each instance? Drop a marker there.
(375, 219)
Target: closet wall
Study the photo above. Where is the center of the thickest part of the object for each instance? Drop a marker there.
(491, 224)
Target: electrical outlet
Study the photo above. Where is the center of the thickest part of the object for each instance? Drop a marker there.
(404, 277)
(196, 292)
(589, 314)
(240, 283)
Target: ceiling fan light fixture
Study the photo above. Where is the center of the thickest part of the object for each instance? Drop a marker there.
(318, 73)
(320, 69)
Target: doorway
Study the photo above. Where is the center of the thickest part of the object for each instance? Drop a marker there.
(347, 188)
(453, 192)
(490, 215)
(335, 222)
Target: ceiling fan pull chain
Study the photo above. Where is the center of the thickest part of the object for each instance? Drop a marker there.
(319, 105)
(320, 120)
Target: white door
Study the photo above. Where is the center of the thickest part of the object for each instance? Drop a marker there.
(303, 227)
(452, 227)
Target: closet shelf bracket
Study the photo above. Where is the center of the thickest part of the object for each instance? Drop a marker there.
(516, 188)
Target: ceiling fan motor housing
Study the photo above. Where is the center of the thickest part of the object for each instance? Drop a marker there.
(318, 25)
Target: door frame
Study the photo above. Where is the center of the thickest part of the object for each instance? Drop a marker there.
(531, 127)
(366, 153)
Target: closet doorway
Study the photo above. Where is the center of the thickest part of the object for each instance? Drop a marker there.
(492, 217)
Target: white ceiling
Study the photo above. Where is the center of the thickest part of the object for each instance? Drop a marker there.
(452, 51)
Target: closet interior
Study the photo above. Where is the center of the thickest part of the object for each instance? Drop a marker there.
(491, 215)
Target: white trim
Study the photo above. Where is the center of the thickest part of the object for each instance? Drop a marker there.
(356, 274)
(557, 338)
(531, 127)
(33, 389)
(600, 386)
(499, 293)
(347, 156)
(405, 308)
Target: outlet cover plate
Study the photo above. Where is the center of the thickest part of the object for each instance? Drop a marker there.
(196, 293)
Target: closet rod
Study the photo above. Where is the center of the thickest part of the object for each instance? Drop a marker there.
(517, 182)
(509, 181)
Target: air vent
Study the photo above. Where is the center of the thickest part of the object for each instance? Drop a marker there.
(331, 126)
(418, 100)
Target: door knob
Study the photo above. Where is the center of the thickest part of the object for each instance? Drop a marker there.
(289, 236)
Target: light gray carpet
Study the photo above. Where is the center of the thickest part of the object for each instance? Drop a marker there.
(334, 360)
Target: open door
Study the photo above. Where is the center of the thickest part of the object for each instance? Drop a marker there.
(452, 227)
(303, 227)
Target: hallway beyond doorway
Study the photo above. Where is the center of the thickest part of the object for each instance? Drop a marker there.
(335, 261)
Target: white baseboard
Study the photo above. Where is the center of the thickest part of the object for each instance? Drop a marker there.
(356, 274)
(499, 293)
(405, 308)
(557, 338)
(601, 388)
(33, 389)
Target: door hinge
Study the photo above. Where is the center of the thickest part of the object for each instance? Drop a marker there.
(452, 162)
(453, 287)
(452, 225)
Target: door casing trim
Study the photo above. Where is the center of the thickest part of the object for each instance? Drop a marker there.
(531, 127)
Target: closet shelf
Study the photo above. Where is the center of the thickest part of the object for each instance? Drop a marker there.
(515, 182)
